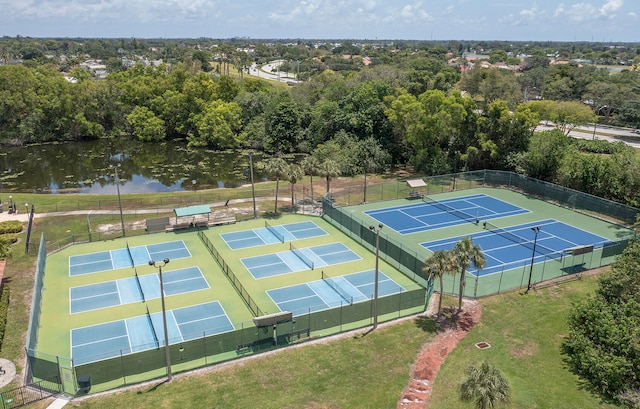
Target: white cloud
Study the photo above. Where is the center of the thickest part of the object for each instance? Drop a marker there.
(83, 10)
(586, 11)
(409, 13)
(302, 10)
(610, 7)
(529, 14)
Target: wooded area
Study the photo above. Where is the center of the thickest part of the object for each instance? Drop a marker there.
(366, 106)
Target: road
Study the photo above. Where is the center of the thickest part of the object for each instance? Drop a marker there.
(270, 72)
(605, 133)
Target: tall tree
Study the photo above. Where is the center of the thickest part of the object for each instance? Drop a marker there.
(466, 253)
(294, 174)
(485, 386)
(310, 165)
(146, 125)
(282, 124)
(602, 345)
(329, 169)
(438, 264)
(277, 168)
(545, 154)
(217, 126)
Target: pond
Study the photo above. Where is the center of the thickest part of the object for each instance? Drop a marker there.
(93, 167)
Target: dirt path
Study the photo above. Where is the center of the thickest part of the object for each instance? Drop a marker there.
(416, 395)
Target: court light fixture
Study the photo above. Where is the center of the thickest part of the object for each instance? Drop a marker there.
(375, 287)
(115, 168)
(167, 352)
(253, 189)
(536, 230)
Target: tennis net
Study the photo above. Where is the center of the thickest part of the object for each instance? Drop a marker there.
(449, 209)
(130, 255)
(274, 231)
(153, 329)
(332, 283)
(521, 240)
(301, 256)
(139, 285)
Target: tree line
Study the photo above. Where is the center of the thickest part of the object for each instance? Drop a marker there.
(416, 110)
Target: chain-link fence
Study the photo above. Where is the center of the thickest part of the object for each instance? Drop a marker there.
(410, 259)
(111, 369)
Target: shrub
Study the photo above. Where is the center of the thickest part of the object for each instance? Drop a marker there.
(8, 239)
(10, 226)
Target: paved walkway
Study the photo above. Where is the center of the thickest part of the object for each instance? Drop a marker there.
(7, 372)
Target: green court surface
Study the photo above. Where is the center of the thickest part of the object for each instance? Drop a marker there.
(507, 279)
(57, 323)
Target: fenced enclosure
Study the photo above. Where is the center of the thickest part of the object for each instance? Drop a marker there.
(195, 350)
(204, 349)
(572, 199)
(409, 258)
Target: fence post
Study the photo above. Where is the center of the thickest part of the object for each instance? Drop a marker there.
(475, 288)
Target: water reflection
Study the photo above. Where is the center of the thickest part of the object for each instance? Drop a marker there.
(87, 167)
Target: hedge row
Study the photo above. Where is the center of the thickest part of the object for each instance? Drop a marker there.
(4, 311)
(10, 226)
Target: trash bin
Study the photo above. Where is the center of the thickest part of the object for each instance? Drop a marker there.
(84, 383)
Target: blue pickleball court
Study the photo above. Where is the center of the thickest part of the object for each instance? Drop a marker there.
(333, 292)
(512, 247)
(146, 331)
(418, 217)
(126, 257)
(309, 258)
(135, 289)
(271, 234)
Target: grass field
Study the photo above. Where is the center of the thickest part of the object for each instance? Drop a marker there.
(525, 332)
(371, 371)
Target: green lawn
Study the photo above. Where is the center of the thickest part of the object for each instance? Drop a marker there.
(525, 332)
(370, 371)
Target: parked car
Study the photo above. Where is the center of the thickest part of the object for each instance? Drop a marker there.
(636, 131)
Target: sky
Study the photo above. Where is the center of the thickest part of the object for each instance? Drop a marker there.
(510, 20)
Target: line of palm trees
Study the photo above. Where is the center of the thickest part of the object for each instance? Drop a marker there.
(454, 261)
(484, 384)
(311, 166)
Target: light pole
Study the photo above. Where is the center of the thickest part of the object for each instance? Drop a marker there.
(535, 229)
(253, 191)
(375, 287)
(366, 163)
(115, 168)
(167, 352)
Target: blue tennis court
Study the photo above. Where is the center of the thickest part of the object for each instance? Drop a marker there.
(126, 257)
(512, 247)
(332, 292)
(135, 289)
(430, 215)
(271, 234)
(111, 339)
(295, 260)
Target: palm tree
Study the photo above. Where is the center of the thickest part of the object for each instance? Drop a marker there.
(466, 252)
(310, 166)
(440, 263)
(329, 169)
(294, 174)
(485, 385)
(277, 168)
